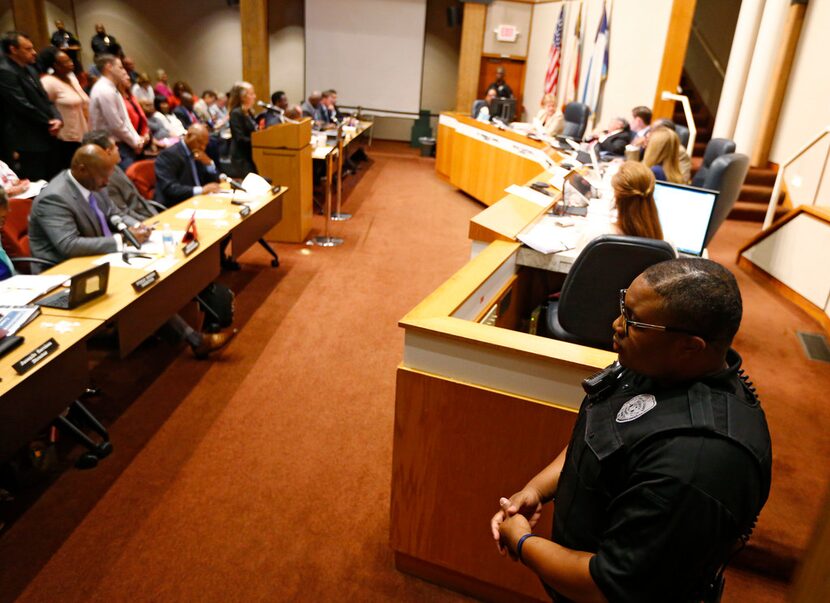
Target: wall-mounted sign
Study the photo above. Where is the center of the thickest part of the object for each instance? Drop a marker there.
(507, 33)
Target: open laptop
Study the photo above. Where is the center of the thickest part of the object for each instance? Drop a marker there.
(685, 214)
(83, 287)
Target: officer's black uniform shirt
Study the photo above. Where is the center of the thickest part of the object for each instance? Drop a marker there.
(502, 90)
(661, 512)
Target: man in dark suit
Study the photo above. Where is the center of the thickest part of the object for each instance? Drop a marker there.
(185, 169)
(184, 112)
(103, 43)
(30, 120)
(72, 217)
(66, 41)
(614, 140)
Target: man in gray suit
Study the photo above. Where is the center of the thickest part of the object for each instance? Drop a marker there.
(72, 217)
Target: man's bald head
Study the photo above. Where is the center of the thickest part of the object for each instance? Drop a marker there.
(91, 167)
(197, 137)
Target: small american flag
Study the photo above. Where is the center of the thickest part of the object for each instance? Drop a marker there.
(555, 58)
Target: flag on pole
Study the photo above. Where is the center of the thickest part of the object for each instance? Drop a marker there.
(555, 56)
(598, 65)
(573, 59)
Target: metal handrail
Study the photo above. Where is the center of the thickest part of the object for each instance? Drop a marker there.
(708, 50)
(779, 178)
(690, 118)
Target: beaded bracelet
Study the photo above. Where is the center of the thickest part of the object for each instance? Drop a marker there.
(520, 544)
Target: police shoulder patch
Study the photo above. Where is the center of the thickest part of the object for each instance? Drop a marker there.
(636, 408)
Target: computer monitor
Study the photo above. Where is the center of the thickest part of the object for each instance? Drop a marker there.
(685, 213)
(505, 108)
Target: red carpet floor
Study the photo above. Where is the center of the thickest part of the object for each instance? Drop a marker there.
(264, 475)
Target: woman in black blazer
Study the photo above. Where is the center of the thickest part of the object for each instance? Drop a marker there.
(241, 102)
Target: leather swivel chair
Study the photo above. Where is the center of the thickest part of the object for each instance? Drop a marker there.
(714, 149)
(683, 134)
(576, 120)
(143, 175)
(16, 230)
(590, 300)
(725, 175)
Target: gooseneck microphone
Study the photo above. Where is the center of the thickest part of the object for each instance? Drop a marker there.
(122, 228)
(234, 185)
(269, 107)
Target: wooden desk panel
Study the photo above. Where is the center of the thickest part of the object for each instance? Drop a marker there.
(29, 402)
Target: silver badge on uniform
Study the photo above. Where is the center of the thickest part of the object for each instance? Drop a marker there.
(636, 408)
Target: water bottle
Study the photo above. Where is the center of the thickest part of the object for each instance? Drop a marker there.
(168, 241)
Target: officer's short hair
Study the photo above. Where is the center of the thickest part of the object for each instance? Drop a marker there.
(699, 295)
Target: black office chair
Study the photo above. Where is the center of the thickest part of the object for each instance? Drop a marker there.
(590, 300)
(477, 105)
(576, 120)
(714, 149)
(725, 175)
(30, 265)
(683, 134)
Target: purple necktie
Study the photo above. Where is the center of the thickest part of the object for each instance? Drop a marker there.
(93, 203)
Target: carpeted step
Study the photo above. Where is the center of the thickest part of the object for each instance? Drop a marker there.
(761, 177)
(758, 193)
(748, 211)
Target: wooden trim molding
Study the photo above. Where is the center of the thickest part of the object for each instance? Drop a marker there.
(253, 20)
(674, 55)
(30, 18)
(822, 213)
(784, 291)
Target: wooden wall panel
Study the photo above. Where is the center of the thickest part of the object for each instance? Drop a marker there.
(253, 21)
(674, 55)
(457, 449)
(30, 18)
(472, 42)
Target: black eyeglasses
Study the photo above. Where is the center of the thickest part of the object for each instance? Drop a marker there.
(627, 322)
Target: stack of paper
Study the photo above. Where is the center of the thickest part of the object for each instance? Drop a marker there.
(14, 318)
(22, 289)
(550, 235)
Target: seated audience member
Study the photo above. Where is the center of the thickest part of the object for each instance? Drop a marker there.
(29, 119)
(500, 86)
(614, 140)
(640, 125)
(280, 100)
(161, 87)
(184, 170)
(202, 107)
(142, 89)
(108, 109)
(72, 217)
(66, 94)
(12, 185)
(313, 108)
(683, 158)
(184, 112)
(637, 216)
(129, 67)
(6, 266)
(103, 43)
(549, 120)
(219, 114)
(121, 190)
(179, 88)
(332, 104)
(164, 124)
(485, 110)
(662, 155)
(241, 104)
(155, 128)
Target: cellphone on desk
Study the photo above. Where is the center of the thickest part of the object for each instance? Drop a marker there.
(541, 187)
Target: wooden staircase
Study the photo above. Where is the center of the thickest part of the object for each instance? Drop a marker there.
(757, 188)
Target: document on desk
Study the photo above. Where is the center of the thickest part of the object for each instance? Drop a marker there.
(14, 318)
(528, 194)
(202, 214)
(22, 289)
(549, 235)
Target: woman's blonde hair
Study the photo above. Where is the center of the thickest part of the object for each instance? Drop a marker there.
(548, 98)
(235, 98)
(663, 149)
(634, 195)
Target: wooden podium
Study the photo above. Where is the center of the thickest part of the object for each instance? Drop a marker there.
(283, 154)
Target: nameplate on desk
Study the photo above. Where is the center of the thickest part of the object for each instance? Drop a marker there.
(148, 280)
(190, 247)
(245, 211)
(36, 356)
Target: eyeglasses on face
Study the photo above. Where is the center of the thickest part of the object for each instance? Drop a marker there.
(627, 322)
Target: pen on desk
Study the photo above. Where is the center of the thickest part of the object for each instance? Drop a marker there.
(235, 202)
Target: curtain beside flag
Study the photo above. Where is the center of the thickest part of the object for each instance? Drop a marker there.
(597, 66)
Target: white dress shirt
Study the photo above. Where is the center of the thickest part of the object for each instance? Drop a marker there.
(107, 111)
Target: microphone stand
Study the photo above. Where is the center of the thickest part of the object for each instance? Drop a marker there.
(338, 216)
(327, 240)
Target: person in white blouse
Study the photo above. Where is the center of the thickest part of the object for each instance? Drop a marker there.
(142, 89)
(549, 120)
(69, 98)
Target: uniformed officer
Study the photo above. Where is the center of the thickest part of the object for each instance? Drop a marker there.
(669, 462)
